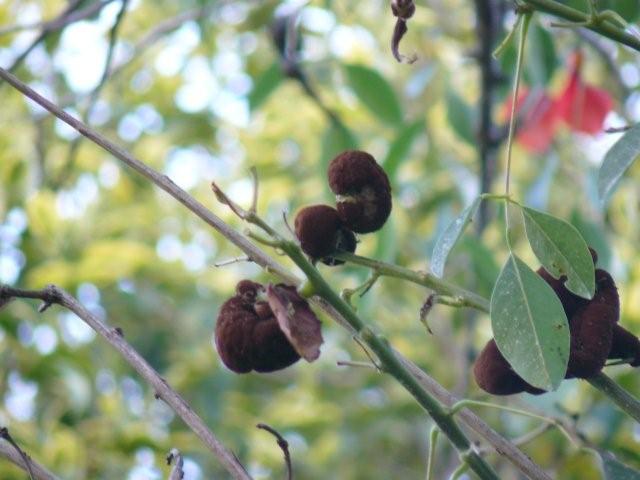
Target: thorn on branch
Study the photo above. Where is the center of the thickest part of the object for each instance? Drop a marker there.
(284, 446)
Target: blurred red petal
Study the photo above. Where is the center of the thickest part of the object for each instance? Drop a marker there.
(538, 123)
(583, 107)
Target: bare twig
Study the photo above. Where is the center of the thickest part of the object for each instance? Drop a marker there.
(4, 434)
(284, 446)
(8, 452)
(55, 295)
(60, 21)
(175, 458)
(95, 94)
(502, 445)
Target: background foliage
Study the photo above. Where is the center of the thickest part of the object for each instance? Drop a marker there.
(205, 102)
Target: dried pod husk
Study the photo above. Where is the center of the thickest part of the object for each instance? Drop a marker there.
(625, 345)
(363, 191)
(321, 232)
(247, 334)
(591, 339)
(494, 375)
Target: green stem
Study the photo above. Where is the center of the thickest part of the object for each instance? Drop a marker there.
(524, 27)
(618, 395)
(465, 403)
(441, 287)
(603, 28)
(431, 457)
(392, 365)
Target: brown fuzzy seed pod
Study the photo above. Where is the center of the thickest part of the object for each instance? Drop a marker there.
(591, 336)
(607, 293)
(625, 345)
(321, 233)
(494, 375)
(247, 334)
(570, 301)
(362, 189)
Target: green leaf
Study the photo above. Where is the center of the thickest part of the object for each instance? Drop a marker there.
(461, 117)
(401, 146)
(561, 250)
(541, 56)
(617, 160)
(266, 83)
(615, 470)
(450, 236)
(529, 325)
(337, 138)
(375, 93)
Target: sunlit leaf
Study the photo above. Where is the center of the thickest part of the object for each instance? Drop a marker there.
(449, 237)
(561, 250)
(529, 325)
(375, 93)
(617, 160)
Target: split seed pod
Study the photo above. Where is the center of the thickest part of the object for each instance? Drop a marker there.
(266, 335)
(321, 233)
(362, 189)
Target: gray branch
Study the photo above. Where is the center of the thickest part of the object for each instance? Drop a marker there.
(8, 452)
(54, 295)
(500, 444)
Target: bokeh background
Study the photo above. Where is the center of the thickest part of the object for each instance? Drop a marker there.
(197, 90)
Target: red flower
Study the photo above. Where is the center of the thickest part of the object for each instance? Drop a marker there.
(582, 107)
(538, 125)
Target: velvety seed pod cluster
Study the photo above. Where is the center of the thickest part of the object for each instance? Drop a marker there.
(595, 337)
(363, 198)
(247, 334)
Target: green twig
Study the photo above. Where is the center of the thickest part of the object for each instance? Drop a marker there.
(618, 395)
(604, 28)
(391, 363)
(464, 298)
(433, 441)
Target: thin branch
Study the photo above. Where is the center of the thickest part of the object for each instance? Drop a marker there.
(9, 452)
(284, 446)
(441, 287)
(502, 445)
(623, 399)
(175, 458)
(54, 295)
(60, 21)
(4, 433)
(604, 28)
(95, 93)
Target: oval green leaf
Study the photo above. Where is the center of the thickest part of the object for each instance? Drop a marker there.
(529, 325)
(375, 93)
(561, 250)
(449, 238)
(617, 160)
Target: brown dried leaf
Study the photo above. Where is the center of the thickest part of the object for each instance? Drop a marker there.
(296, 320)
